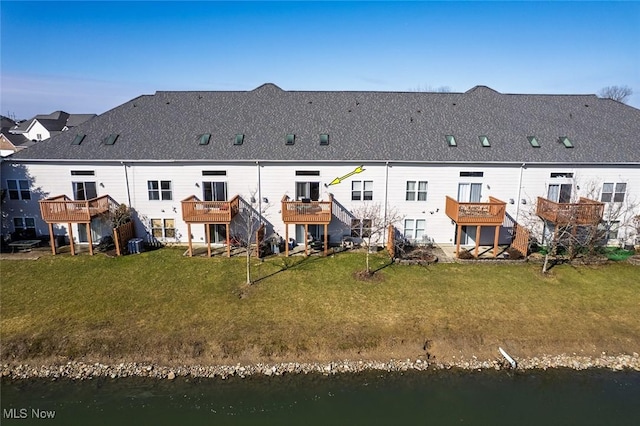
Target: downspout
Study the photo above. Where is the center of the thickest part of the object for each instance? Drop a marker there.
(519, 191)
(386, 191)
(259, 193)
(126, 177)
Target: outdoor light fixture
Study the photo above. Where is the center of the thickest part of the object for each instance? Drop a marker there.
(511, 201)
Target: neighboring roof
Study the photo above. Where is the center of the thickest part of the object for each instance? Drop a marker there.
(55, 122)
(362, 126)
(77, 119)
(6, 122)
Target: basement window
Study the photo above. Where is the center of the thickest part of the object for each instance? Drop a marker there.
(290, 139)
(451, 140)
(204, 139)
(324, 139)
(239, 139)
(566, 142)
(533, 141)
(484, 141)
(78, 139)
(111, 139)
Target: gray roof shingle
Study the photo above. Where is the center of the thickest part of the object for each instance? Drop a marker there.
(362, 126)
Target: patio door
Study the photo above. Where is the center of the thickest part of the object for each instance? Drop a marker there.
(469, 193)
(314, 230)
(214, 191)
(308, 190)
(87, 191)
(559, 192)
(218, 233)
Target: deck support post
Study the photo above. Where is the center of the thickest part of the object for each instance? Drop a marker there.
(189, 239)
(326, 226)
(207, 232)
(73, 251)
(88, 224)
(495, 241)
(229, 240)
(306, 239)
(458, 241)
(52, 239)
(478, 229)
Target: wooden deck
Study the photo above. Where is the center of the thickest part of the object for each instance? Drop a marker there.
(307, 213)
(465, 214)
(196, 211)
(62, 209)
(584, 212)
(209, 212)
(301, 212)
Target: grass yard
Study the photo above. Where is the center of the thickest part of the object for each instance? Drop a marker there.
(162, 307)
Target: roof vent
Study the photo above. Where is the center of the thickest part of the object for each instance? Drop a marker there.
(484, 141)
(324, 139)
(451, 140)
(239, 139)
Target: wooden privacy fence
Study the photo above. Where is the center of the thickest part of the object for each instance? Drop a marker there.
(121, 236)
(259, 240)
(521, 239)
(391, 241)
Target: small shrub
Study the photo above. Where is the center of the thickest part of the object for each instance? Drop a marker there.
(465, 254)
(514, 254)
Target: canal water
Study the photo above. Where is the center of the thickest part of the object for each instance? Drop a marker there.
(558, 397)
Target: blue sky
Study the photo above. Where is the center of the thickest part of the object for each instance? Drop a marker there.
(84, 57)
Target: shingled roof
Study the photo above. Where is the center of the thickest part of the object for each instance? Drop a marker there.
(362, 126)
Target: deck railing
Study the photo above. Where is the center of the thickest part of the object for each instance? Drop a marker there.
(62, 209)
(196, 211)
(306, 211)
(584, 212)
(491, 213)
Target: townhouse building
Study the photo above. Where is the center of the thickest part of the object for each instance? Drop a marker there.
(307, 161)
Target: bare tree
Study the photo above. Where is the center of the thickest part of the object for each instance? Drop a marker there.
(369, 223)
(617, 93)
(427, 88)
(578, 237)
(249, 220)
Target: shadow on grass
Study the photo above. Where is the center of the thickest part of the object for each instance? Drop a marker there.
(289, 263)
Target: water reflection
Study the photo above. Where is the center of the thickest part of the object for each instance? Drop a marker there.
(546, 397)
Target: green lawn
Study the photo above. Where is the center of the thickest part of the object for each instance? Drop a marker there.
(160, 306)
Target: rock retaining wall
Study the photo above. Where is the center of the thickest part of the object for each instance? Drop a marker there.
(84, 371)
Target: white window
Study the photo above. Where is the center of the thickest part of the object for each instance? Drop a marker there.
(361, 228)
(24, 224)
(18, 189)
(610, 230)
(613, 192)
(159, 189)
(362, 190)
(163, 228)
(416, 190)
(84, 190)
(414, 229)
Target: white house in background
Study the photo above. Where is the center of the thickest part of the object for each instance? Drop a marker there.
(420, 154)
(44, 126)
